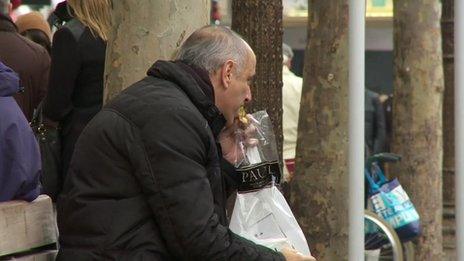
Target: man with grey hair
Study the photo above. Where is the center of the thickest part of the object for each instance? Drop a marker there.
(150, 173)
(30, 60)
(291, 96)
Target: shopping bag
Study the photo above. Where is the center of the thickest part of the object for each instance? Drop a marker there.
(261, 213)
(392, 203)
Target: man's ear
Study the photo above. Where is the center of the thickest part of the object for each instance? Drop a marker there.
(226, 73)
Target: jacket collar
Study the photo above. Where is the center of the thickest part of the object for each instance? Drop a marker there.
(201, 78)
(6, 24)
(196, 84)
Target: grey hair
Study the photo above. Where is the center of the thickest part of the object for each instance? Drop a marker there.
(287, 53)
(211, 46)
(4, 7)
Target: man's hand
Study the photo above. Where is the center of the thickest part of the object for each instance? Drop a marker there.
(232, 150)
(291, 254)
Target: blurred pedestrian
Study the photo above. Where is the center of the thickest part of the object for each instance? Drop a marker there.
(19, 152)
(76, 79)
(291, 96)
(30, 60)
(387, 104)
(34, 27)
(375, 124)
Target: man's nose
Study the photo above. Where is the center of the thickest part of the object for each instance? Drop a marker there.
(248, 96)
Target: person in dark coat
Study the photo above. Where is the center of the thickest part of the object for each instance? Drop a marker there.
(59, 16)
(30, 60)
(150, 172)
(20, 163)
(375, 124)
(76, 79)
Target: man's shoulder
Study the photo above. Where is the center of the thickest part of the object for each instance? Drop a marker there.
(21, 43)
(158, 92)
(18, 51)
(291, 80)
(153, 98)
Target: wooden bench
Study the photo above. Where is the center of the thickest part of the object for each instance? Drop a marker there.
(28, 230)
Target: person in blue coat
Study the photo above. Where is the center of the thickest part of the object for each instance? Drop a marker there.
(20, 164)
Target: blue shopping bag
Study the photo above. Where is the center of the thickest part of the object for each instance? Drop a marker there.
(390, 201)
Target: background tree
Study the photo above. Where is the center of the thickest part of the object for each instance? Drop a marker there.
(417, 110)
(260, 24)
(144, 31)
(449, 226)
(320, 186)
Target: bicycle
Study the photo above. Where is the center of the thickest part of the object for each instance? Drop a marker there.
(381, 240)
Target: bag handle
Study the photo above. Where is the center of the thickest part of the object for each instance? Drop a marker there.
(373, 186)
(379, 173)
(37, 117)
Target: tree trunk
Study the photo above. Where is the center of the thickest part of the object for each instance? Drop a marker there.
(144, 31)
(449, 226)
(320, 186)
(417, 125)
(260, 24)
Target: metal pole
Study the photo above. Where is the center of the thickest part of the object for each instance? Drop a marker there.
(459, 124)
(356, 129)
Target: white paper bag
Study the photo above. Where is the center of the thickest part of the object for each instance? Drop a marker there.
(265, 218)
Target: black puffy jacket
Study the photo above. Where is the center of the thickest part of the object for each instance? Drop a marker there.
(145, 181)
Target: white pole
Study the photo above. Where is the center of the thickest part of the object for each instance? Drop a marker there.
(356, 128)
(459, 124)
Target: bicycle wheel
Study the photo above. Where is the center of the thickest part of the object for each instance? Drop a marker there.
(380, 240)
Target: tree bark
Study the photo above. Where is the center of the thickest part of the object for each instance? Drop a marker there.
(260, 24)
(417, 125)
(144, 31)
(449, 226)
(319, 195)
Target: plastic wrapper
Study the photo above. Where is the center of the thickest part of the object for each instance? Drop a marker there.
(261, 213)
